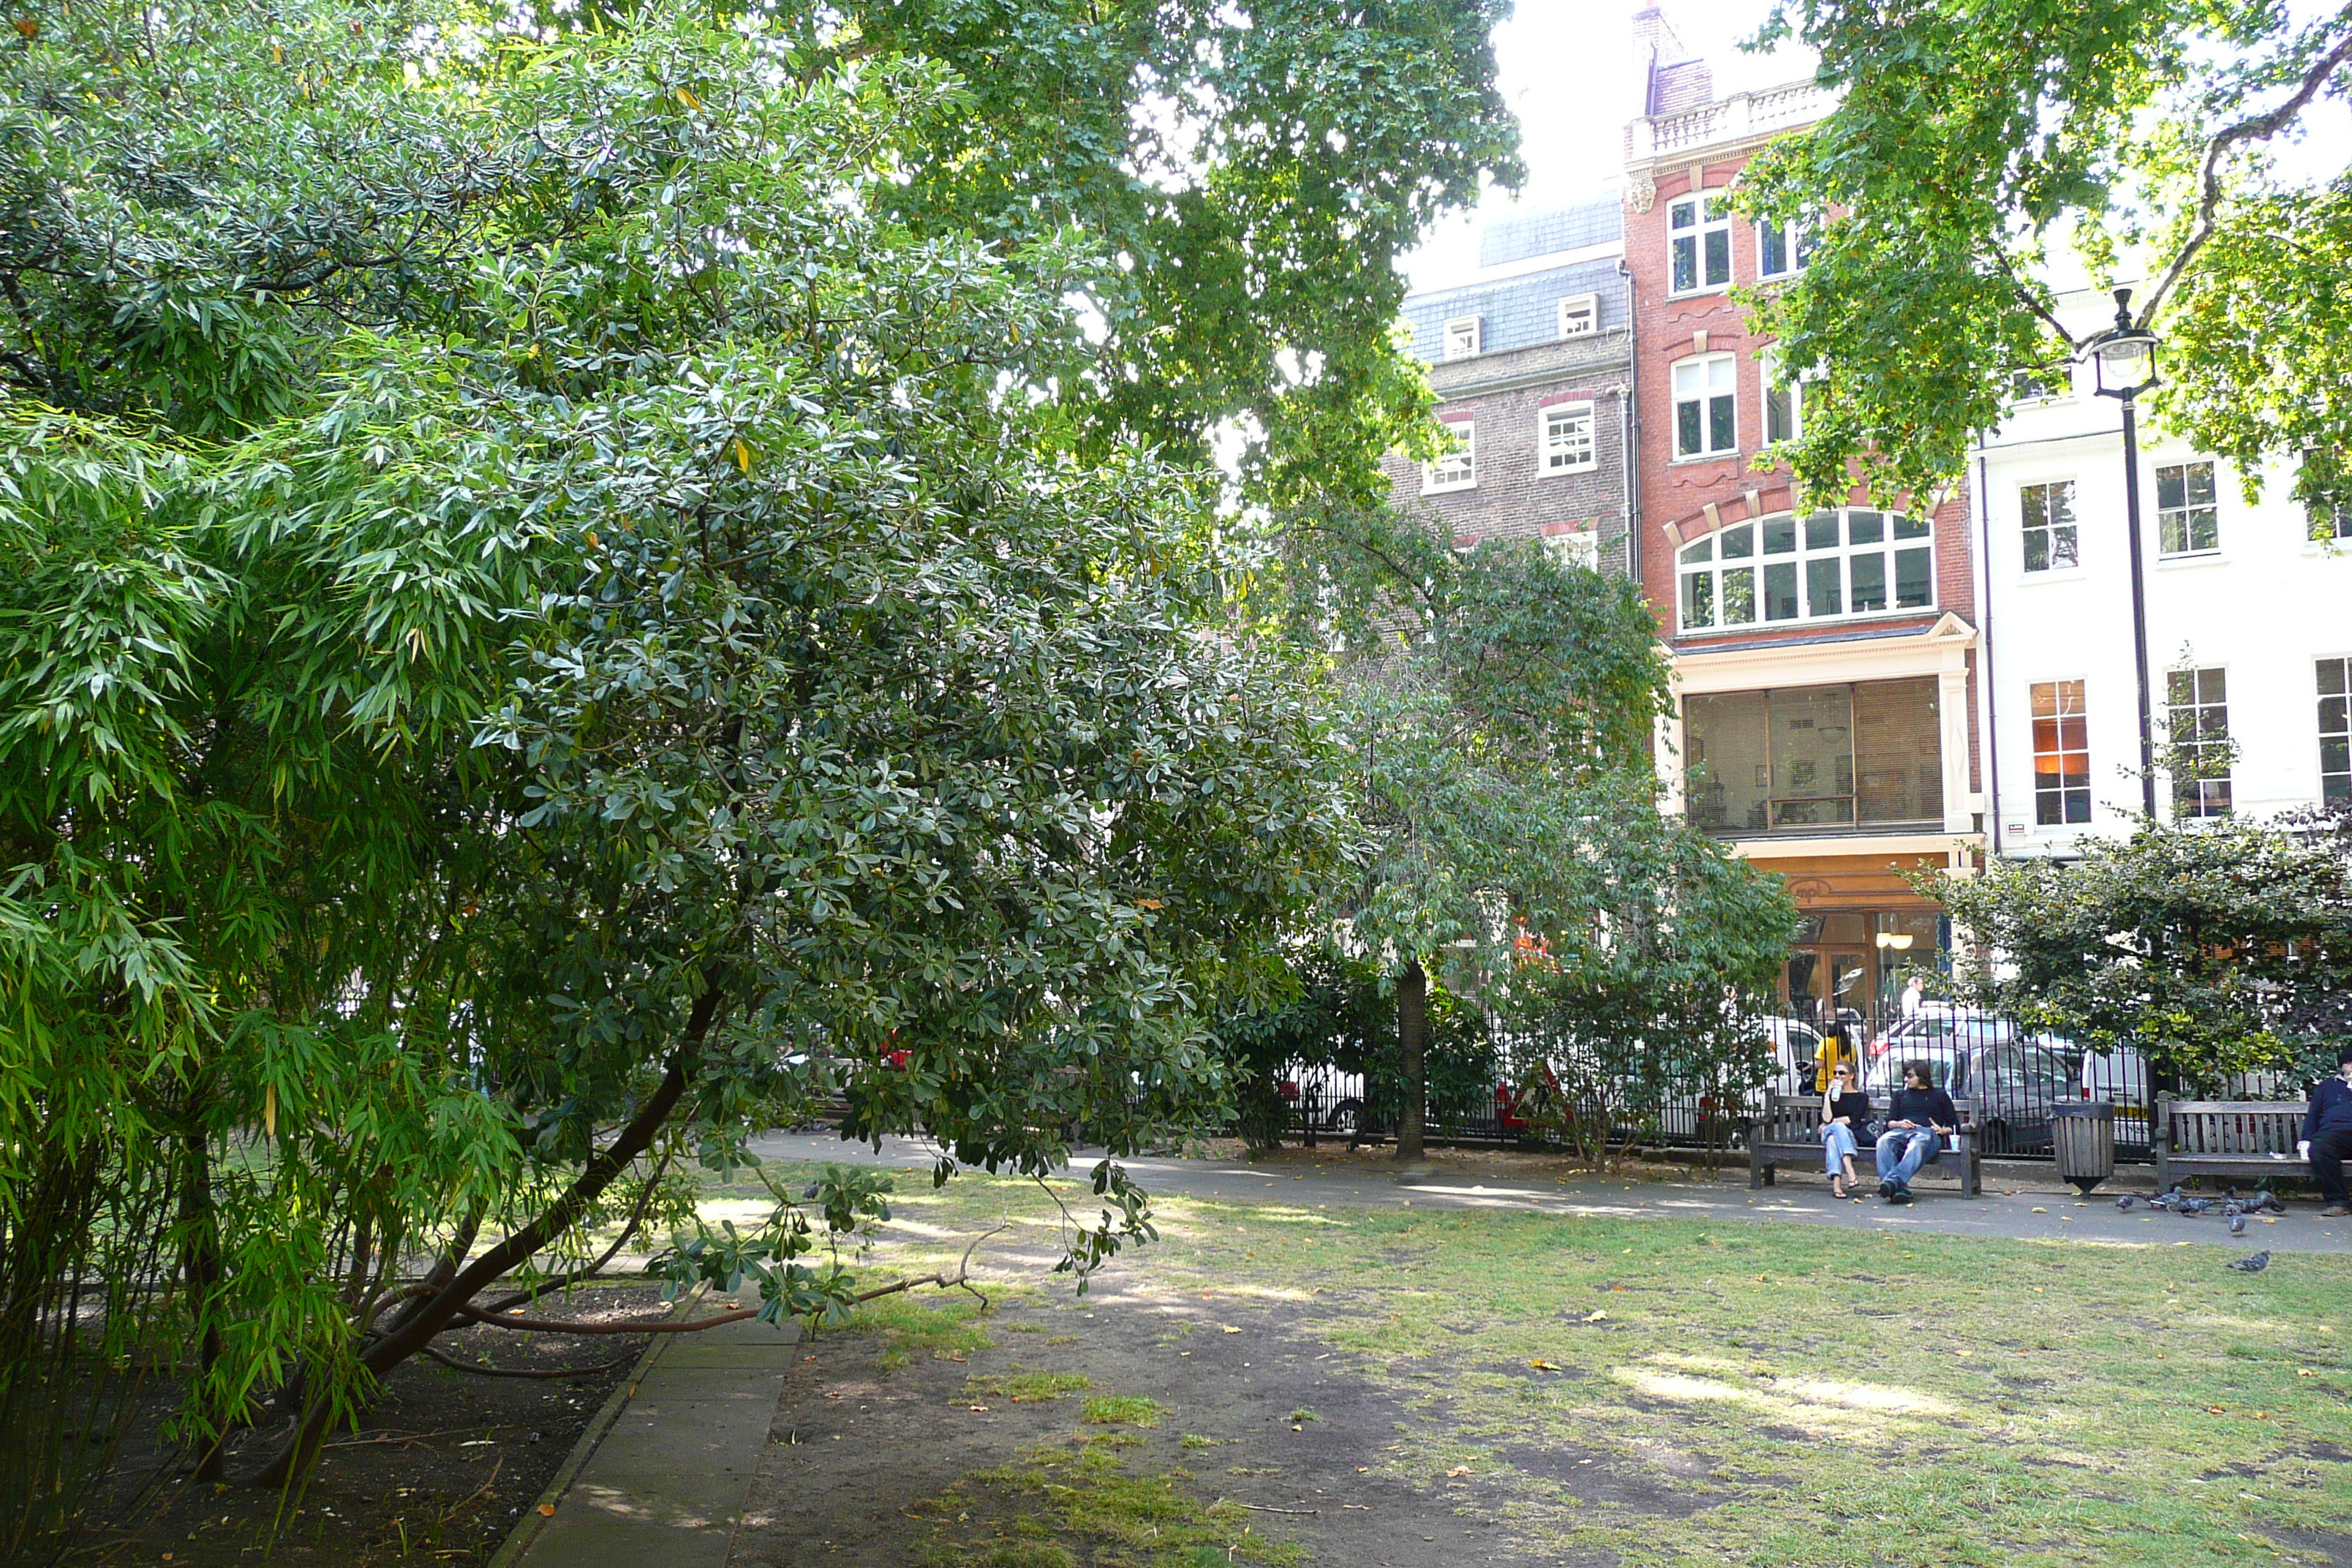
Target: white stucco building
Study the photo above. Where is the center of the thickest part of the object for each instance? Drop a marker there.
(2249, 624)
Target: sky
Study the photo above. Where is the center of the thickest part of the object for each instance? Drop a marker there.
(1567, 68)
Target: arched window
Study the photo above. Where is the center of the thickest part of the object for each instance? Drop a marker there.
(1830, 564)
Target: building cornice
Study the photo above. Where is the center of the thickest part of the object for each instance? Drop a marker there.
(1520, 379)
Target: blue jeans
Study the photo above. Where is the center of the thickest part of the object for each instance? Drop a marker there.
(1837, 1147)
(1901, 1152)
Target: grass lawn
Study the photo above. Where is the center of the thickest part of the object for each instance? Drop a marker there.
(1666, 1392)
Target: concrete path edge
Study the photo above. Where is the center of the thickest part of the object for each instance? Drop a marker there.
(608, 1414)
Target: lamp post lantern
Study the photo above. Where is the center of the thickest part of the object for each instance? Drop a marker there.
(2123, 359)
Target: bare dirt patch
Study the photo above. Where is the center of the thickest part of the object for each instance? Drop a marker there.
(1318, 1458)
(438, 1471)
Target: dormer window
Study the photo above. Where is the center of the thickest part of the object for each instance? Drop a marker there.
(1462, 338)
(1580, 315)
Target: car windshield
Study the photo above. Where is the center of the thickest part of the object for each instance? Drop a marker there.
(2029, 1069)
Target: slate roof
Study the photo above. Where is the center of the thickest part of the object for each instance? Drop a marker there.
(1520, 312)
(1510, 240)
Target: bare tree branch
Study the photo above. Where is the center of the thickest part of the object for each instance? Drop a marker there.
(453, 1363)
(2261, 126)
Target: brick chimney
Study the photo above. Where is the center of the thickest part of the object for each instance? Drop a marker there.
(1672, 77)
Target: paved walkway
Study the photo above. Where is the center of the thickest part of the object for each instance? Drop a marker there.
(2045, 1211)
(664, 1489)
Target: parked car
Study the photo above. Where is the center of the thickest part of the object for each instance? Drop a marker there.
(1940, 1027)
(1796, 1045)
(2015, 1084)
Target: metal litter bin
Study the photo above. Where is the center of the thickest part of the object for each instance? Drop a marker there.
(2082, 1137)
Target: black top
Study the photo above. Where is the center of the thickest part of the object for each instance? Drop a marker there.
(2331, 1108)
(1927, 1107)
(1855, 1107)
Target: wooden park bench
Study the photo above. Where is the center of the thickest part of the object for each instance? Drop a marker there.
(1789, 1130)
(2253, 1139)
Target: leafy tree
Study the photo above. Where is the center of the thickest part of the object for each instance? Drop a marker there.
(1970, 143)
(1644, 995)
(1244, 179)
(1341, 1017)
(2210, 947)
(553, 605)
(1477, 734)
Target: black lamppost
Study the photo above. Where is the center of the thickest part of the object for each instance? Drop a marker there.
(2124, 359)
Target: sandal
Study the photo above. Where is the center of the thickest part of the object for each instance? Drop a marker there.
(1837, 1187)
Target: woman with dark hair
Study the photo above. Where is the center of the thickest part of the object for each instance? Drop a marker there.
(1845, 1124)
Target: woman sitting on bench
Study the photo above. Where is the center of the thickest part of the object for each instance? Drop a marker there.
(1845, 1125)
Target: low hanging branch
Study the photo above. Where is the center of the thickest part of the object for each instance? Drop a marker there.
(959, 1279)
(566, 1281)
(478, 1371)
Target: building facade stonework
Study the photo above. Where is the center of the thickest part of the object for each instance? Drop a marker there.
(1530, 362)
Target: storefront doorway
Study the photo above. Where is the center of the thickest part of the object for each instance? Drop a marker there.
(1855, 963)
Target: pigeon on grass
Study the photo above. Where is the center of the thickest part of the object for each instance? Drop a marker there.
(2254, 1264)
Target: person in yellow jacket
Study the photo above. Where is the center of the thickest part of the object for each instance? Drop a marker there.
(1834, 1049)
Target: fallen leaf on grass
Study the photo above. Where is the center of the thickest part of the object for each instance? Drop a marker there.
(978, 1408)
(1546, 1366)
(1229, 1328)
(2214, 1410)
(2304, 1372)
(1596, 1316)
(1459, 1470)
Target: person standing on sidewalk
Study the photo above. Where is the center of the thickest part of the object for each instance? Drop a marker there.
(1919, 1116)
(2327, 1134)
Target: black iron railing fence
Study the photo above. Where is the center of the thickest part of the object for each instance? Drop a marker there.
(2016, 1076)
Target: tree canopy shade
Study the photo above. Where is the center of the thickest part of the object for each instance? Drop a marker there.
(1972, 141)
(2209, 947)
(552, 606)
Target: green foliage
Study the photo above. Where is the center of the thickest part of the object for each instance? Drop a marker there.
(1647, 997)
(1503, 777)
(1342, 1016)
(2210, 947)
(1244, 181)
(1972, 143)
(572, 590)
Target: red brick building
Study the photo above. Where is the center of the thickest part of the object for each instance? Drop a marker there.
(1824, 660)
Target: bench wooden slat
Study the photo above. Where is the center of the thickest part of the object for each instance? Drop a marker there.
(2226, 1138)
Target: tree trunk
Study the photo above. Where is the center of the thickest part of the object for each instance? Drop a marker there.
(435, 1313)
(200, 1272)
(1412, 1038)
